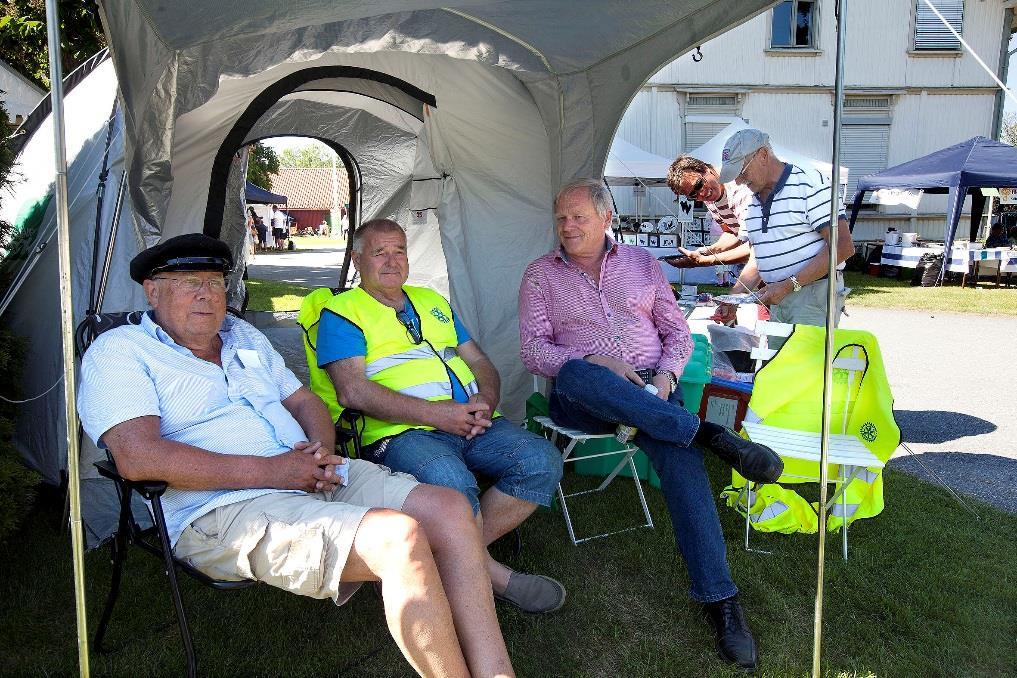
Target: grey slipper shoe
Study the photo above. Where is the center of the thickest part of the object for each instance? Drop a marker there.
(533, 593)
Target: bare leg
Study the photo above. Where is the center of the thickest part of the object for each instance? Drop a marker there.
(391, 546)
(500, 514)
(459, 554)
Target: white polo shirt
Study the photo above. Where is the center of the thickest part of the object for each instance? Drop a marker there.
(784, 230)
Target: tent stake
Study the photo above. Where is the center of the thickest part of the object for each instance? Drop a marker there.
(67, 331)
(831, 314)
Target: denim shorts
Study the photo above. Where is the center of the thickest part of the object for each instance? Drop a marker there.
(521, 464)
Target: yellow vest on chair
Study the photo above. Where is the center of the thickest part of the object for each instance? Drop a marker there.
(788, 393)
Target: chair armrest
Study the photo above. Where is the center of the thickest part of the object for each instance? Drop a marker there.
(146, 488)
(348, 429)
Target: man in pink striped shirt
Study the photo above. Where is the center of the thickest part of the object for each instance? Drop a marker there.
(600, 319)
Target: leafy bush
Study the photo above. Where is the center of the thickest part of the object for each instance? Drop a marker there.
(17, 483)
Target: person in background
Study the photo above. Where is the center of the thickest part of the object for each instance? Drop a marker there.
(997, 237)
(260, 228)
(280, 227)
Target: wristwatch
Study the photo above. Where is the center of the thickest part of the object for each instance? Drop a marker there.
(794, 283)
(671, 379)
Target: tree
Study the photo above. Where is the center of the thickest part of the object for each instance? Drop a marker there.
(1008, 130)
(262, 163)
(23, 40)
(306, 156)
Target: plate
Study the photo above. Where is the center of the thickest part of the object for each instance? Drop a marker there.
(735, 299)
(647, 227)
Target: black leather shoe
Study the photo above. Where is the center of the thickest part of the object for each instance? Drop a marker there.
(734, 639)
(753, 461)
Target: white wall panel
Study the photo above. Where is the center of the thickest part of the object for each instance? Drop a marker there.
(879, 37)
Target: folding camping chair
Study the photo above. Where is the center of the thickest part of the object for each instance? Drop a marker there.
(154, 540)
(566, 440)
(850, 457)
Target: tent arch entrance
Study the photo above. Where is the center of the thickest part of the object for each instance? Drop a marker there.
(365, 82)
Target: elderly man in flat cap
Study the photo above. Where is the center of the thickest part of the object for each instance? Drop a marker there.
(203, 402)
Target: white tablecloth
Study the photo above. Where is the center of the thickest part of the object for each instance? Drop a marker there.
(960, 256)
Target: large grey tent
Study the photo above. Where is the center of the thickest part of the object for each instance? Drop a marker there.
(458, 120)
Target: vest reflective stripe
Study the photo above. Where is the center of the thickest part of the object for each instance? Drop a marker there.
(398, 359)
(424, 353)
(395, 362)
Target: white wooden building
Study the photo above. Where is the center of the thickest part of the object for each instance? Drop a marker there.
(19, 94)
(910, 89)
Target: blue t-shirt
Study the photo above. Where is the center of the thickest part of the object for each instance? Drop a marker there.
(339, 339)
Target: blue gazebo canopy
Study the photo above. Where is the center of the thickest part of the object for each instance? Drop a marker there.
(259, 196)
(958, 170)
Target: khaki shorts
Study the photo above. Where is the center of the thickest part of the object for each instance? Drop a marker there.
(294, 541)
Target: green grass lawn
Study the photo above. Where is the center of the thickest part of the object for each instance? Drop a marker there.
(928, 592)
(269, 295)
(872, 292)
(986, 298)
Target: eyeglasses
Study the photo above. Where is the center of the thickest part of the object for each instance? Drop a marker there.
(745, 167)
(411, 325)
(193, 284)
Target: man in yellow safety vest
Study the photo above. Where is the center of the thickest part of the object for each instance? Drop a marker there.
(399, 354)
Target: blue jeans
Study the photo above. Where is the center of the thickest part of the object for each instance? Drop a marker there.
(594, 399)
(522, 464)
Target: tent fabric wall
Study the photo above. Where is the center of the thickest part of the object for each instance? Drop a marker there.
(528, 94)
(524, 95)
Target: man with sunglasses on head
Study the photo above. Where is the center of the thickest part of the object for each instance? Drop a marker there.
(203, 402)
(788, 227)
(727, 204)
(399, 354)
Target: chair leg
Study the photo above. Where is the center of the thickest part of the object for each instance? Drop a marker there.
(119, 547)
(171, 574)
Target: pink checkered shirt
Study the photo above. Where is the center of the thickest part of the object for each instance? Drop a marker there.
(632, 316)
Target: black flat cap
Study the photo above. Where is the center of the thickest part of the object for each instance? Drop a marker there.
(188, 252)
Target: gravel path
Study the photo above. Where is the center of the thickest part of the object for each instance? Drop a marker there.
(954, 396)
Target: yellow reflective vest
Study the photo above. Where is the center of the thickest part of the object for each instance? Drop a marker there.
(788, 393)
(393, 359)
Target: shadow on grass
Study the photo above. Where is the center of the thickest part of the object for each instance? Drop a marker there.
(937, 426)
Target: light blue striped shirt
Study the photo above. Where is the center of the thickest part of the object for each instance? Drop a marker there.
(138, 370)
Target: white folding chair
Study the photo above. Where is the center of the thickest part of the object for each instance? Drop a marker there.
(566, 439)
(846, 452)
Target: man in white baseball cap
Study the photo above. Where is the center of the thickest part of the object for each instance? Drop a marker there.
(788, 226)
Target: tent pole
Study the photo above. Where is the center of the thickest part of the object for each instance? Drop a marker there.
(831, 314)
(67, 331)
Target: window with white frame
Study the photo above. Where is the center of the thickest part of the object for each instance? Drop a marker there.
(865, 136)
(794, 25)
(930, 33)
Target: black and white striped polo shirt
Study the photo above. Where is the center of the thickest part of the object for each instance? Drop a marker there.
(785, 229)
